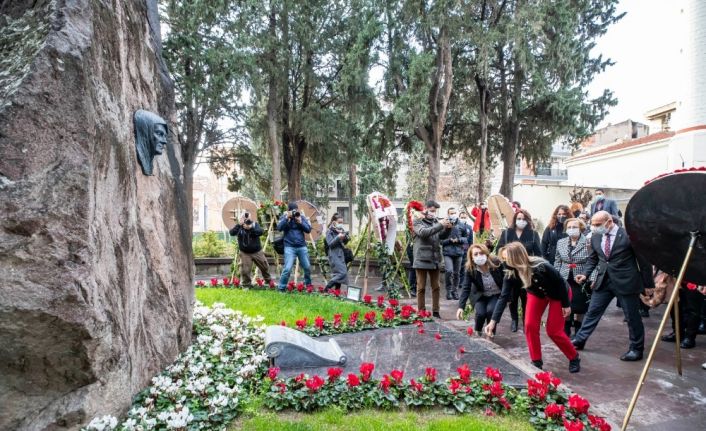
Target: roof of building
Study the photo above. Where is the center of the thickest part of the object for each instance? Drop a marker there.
(622, 145)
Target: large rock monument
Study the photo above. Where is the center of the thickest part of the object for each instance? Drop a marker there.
(95, 256)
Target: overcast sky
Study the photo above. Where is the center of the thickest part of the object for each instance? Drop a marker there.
(644, 47)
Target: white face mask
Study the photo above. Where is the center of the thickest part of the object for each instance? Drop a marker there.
(521, 224)
(599, 230)
(463, 220)
(480, 260)
(339, 227)
(453, 218)
(573, 232)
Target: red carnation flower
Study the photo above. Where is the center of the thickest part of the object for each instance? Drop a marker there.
(496, 389)
(578, 405)
(416, 385)
(464, 373)
(493, 374)
(272, 373)
(200, 283)
(469, 331)
(226, 281)
(370, 317)
(598, 423)
(394, 302)
(315, 383)
(576, 425)
(385, 383)
(420, 330)
(336, 292)
(353, 318)
(300, 287)
(430, 375)
(334, 374)
(282, 387)
(397, 375)
(536, 390)
(691, 286)
(461, 350)
(406, 311)
(319, 323)
(272, 284)
(554, 411)
(283, 323)
(260, 282)
(236, 281)
(309, 289)
(214, 282)
(388, 314)
(301, 323)
(437, 336)
(572, 266)
(381, 301)
(367, 299)
(366, 370)
(353, 380)
(454, 386)
(336, 320)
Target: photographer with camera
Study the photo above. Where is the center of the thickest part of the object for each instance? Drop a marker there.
(294, 225)
(336, 239)
(248, 233)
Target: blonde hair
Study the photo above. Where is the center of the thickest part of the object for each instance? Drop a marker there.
(582, 225)
(518, 261)
(470, 265)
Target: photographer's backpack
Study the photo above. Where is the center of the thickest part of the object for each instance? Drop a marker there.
(278, 242)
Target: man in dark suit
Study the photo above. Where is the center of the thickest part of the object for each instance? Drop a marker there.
(622, 274)
(604, 204)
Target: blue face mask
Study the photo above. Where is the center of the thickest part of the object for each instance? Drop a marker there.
(599, 198)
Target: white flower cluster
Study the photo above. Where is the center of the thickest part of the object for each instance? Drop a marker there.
(204, 387)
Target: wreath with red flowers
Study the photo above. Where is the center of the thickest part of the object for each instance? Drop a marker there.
(409, 214)
(678, 171)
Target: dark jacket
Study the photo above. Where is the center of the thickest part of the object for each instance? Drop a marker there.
(293, 231)
(627, 271)
(608, 205)
(529, 238)
(427, 243)
(248, 239)
(546, 282)
(549, 239)
(473, 285)
(455, 249)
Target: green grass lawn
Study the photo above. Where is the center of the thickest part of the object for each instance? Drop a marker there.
(275, 306)
(375, 420)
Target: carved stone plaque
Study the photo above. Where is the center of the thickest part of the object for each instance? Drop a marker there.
(289, 348)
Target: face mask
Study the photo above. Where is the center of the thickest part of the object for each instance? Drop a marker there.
(599, 230)
(339, 227)
(521, 224)
(573, 232)
(484, 206)
(561, 219)
(453, 219)
(600, 197)
(480, 260)
(463, 220)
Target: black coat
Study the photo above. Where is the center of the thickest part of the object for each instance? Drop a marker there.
(546, 282)
(473, 285)
(529, 238)
(248, 239)
(628, 272)
(549, 239)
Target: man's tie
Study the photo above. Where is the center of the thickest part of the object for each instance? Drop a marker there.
(606, 248)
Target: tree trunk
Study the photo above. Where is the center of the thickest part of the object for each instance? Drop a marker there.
(509, 156)
(351, 193)
(294, 171)
(484, 99)
(272, 103)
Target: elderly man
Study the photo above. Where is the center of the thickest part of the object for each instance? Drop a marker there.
(622, 274)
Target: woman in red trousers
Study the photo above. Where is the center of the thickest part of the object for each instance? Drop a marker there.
(545, 288)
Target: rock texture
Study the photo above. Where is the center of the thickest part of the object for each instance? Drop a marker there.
(95, 258)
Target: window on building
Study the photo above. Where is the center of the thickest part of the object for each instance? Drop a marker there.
(341, 190)
(345, 213)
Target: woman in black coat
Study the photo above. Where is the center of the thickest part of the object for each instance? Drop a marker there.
(482, 284)
(554, 232)
(521, 230)
(545, 289)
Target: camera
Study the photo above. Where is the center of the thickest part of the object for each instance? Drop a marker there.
(246, 215)
(248, 222)
(296, 214)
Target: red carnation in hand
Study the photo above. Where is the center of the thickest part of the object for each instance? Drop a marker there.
(334, 374)
(578, 405)
(691, 286)
(554, 411)
(353, 380)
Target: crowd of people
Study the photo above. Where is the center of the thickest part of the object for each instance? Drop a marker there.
(583, 260)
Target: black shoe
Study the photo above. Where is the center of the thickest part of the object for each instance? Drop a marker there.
(513, 326)
(578, 344)
(670, 338)
(702, 328)
(436, 314)
(448, 295)
(688, 343)
(575, 365)
(631, 356)
(413, 294)
(454, 295)
(644, 312)
(539, 364)
(625, 320)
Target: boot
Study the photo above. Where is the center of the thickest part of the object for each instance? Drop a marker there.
(539, 364)
(688, 343)
(448, 294)
(702, 327)
(575, 364)
(567, 327)
(454, 294)
(513, 326)
(670, 338)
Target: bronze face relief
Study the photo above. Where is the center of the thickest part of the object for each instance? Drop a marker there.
(151, 136)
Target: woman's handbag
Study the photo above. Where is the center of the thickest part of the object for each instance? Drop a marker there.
(347, 255)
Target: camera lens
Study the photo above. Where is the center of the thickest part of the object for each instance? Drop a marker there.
(246, 215)
(297, 214)
(248, 222)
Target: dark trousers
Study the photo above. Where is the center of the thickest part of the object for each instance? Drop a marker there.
(600, 300)
(690, 302)
(518, 295)
(484, 310)
(463, 268)
(452, 270)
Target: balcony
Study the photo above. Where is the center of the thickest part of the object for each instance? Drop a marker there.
(547, 174)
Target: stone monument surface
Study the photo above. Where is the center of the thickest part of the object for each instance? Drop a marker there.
(290, 348)
(95, 257)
